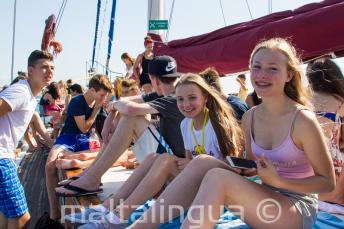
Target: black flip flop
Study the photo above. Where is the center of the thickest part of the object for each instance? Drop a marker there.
(79, 191)
(69, 180)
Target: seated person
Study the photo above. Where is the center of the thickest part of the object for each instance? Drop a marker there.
(212, 77)
(133, 125)
(326, 80)
(204, 111)
(39, 133)
(75, 134)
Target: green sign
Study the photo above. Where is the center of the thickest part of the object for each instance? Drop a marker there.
(158, 24)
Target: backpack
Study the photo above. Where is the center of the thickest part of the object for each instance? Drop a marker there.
(44, 222)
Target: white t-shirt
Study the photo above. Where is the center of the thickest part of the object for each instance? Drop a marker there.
(13, 125)
(211, 144)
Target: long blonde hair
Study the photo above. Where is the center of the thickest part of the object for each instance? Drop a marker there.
(226, 127)
(293, 89)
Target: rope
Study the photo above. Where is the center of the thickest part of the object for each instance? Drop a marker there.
(101, 31)
(59, 16)
(223, 14)
(170, 21)
(249, 10)
(96, 32)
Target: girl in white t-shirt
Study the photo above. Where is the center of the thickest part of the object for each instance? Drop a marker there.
(209, 128)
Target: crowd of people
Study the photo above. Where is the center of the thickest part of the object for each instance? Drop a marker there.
(177, 131)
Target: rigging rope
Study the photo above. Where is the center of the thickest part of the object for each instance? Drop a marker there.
(101, 31)
(170, 21)
(59, 16)
(223, 14)
(96, 32)
(249, 10)
(111, 32)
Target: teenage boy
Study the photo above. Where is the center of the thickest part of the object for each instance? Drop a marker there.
(17, 105)
(133, 125)
(75, 134)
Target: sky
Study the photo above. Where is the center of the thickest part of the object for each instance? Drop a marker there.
(77, 26)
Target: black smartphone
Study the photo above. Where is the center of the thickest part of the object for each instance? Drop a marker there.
(241, 163)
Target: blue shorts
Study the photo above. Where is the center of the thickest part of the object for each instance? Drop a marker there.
(12, 197)
(74, 142)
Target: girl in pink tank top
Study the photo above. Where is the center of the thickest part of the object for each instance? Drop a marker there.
(287, 143)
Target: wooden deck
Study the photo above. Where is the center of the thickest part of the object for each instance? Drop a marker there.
(32, 176)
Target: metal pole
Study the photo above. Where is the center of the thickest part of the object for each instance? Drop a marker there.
(13, 37)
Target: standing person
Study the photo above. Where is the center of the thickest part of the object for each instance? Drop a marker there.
(327, 82)
(243, 91)
(17, 105)
(141, 66)
(129, 65)
(75, 134)
(293, 160)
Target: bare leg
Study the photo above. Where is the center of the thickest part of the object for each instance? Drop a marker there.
(337, 195)
(235, 191)
(20, 222)
(180, 192)
(82, 155)
(163, 169)
(72, 164)
(130, 185)
(37, 124)
(51, 182)
(3, 221)
(127, 129)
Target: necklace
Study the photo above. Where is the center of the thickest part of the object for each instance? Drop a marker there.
(199, 149)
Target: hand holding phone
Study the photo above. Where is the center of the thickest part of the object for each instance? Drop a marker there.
(241, 163)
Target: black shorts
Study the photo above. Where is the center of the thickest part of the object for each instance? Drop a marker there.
(144, 79)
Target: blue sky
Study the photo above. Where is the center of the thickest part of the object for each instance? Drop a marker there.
(76, 30)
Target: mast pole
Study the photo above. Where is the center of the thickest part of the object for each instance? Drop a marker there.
(13, 36)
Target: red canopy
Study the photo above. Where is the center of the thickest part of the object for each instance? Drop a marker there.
(315, 29)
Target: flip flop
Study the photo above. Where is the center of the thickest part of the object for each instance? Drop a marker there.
(79, 191)
(66, 181)
(69, 180)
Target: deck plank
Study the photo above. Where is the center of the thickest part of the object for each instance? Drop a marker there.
(32, 176)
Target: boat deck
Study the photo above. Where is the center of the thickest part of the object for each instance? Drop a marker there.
(32, 176)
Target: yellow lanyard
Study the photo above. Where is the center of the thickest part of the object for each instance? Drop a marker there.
(119, 87)
(200, 149)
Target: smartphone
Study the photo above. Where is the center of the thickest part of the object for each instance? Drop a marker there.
(241, 163)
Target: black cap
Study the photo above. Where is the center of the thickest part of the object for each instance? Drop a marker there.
(163, 66)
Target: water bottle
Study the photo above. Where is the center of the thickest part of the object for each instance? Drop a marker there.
(94, 142)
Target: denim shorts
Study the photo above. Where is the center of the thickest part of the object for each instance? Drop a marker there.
(73, 142)
(12, 198)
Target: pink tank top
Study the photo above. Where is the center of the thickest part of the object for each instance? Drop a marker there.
(288, 159)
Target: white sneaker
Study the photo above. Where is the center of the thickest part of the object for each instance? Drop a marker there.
(93, 214)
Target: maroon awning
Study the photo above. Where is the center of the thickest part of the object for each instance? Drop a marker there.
(315, 29)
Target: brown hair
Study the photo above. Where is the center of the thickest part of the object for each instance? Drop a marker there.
(37, 55)
(127, 56)
(100, 81)
(293, 89)
(325, 76)
(225, 125)
(212, 77)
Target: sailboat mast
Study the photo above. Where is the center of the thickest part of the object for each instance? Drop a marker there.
(13, 36)
(156, 11)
